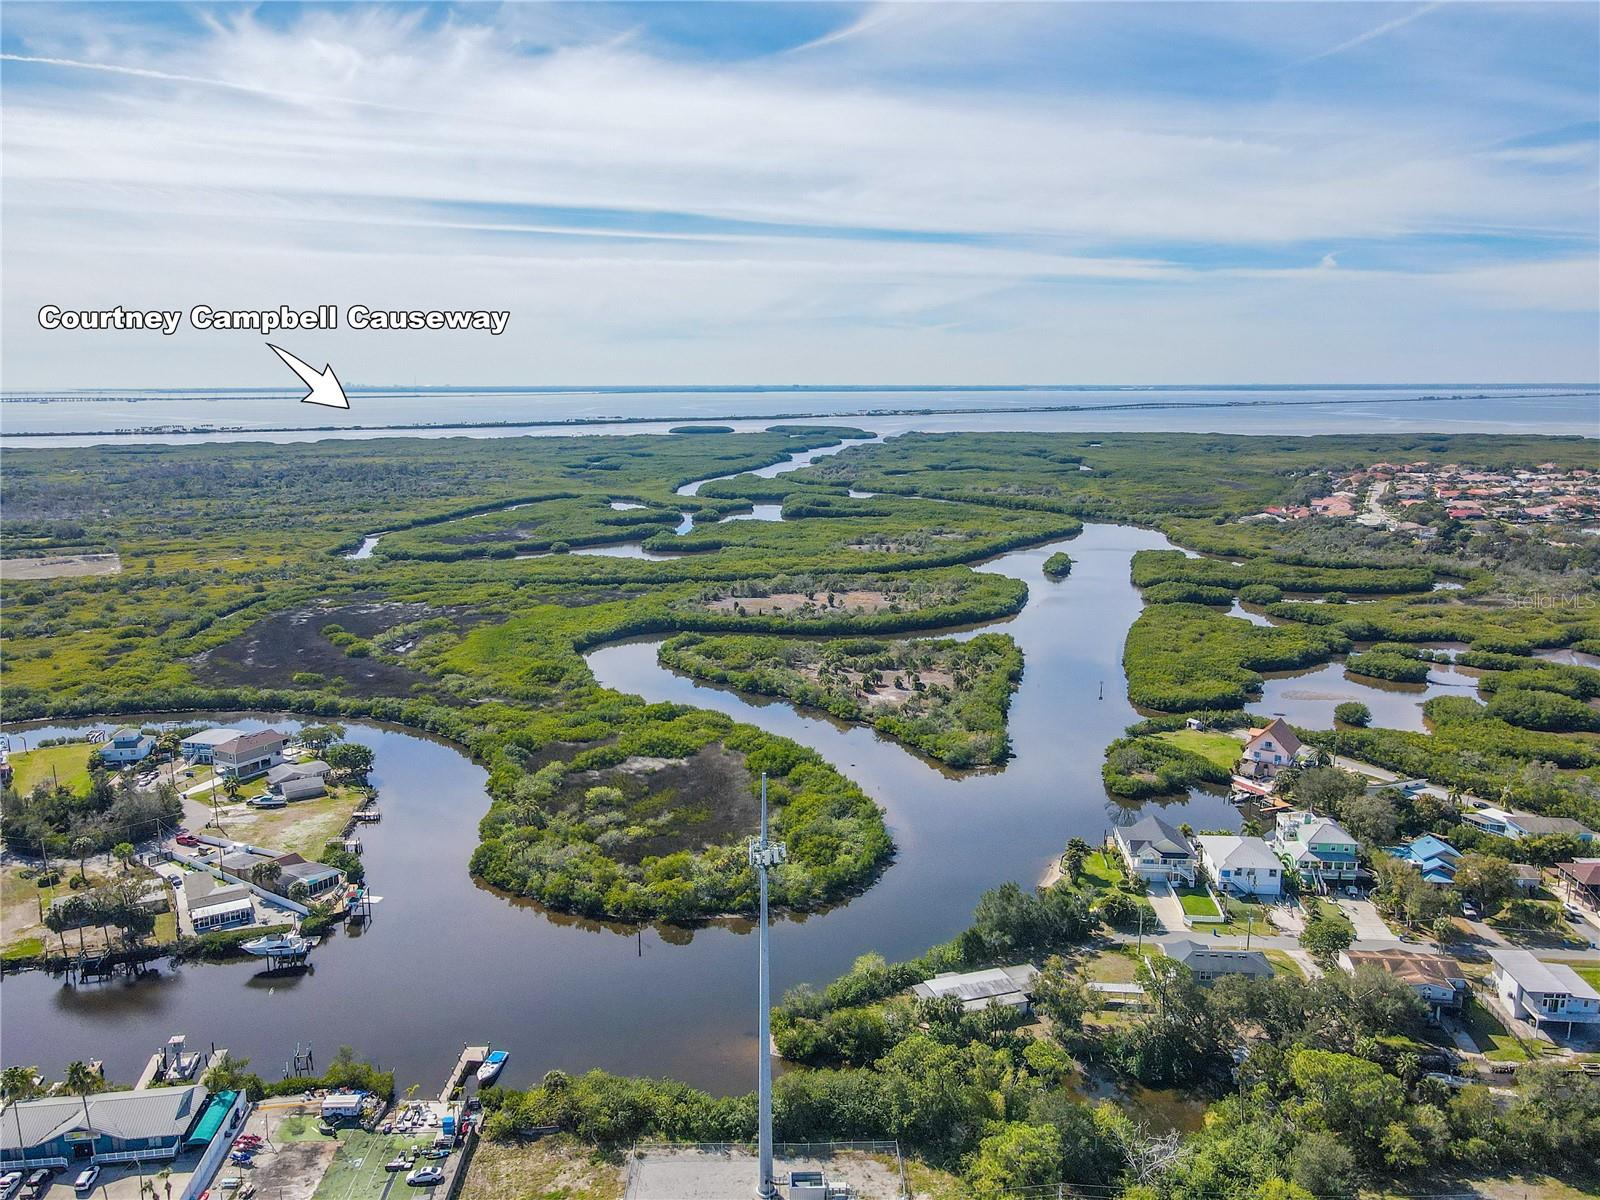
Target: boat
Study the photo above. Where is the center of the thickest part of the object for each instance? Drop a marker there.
(276, 945)
(492, 1065)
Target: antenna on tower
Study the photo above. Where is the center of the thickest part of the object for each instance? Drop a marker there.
(763, 856)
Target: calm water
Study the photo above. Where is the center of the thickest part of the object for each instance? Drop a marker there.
(92, 419)
(446, 961)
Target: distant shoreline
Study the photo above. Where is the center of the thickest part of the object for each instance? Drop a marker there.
(859, 414)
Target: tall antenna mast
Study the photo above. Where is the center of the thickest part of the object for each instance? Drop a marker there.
(763, 856)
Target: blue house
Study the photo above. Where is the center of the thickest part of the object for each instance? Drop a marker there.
(127, 745)
(1434, 857)
(118, 1127)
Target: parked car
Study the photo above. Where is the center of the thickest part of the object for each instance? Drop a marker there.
(427, 1177)
(85, 1180)
(1469, 911)
(39, 1183)
(187, 839)
(8, 1183)
(398, 1164)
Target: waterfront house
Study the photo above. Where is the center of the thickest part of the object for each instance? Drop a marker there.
(1011, 987)
(302, 787)
(215, 903)
(1543, 993)
(1437, 978)
(1516, 825)
(149, 1125)
(249, 754)
(197, 747)
(1434, 857)
(1581, 880)
(1155, 850)
(1269, 750)
(1245, 866)
(318, 877)
(312, 769)
(1318, 848)
(127, 745)
(1208, 962)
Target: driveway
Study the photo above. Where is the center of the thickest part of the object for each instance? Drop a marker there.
(1364, 916)
(1169, 909)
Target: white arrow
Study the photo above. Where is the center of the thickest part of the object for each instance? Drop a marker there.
(324, 384)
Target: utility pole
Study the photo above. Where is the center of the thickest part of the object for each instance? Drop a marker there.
(763, 856)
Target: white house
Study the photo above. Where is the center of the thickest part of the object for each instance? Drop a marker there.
(127, 745)
(197, 747)
(249, 754)
(1155, 850)
(1269, 750)
(1245, 866)
(1543, 993)
(1518, 825)
(1318, 848)
(1009, 986)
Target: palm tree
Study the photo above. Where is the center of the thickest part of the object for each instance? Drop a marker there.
(80, 851)
(17, 1084)
(82, 1082)
(123, 853)
(55, 920)
(265, 874)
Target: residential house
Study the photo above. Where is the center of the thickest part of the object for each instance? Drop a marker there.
(1517, 825)
(127, 745)
(311, 769)
(1008, 986)
(197, 747)
(1245, 866)
(1434, 857)
(1209, 962)
(1437, 978)
(249, 754)
(1318, 848)
(150, 1125)
(1543, 993)
(216, 904)
(1581, 880)
(1268, 751)
(318, 877)
(1155, 850)
(301, 787)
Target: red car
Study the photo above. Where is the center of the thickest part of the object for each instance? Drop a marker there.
(187, 839)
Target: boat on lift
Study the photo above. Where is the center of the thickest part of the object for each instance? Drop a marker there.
(492, 1066)
(277, 945)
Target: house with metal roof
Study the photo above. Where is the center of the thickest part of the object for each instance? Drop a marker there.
(216, 904)
(1153, 849)
(1543, 993)
(1517, 825)
(1580, 879)
(1434, 857)
(197, 747)
(149, 1125)
(311, 769)
(1245, 866)
(1319, 849)
(301, 787)
(1011, 987)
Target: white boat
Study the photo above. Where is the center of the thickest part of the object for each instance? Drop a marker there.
(491, 1065)
(276, 945)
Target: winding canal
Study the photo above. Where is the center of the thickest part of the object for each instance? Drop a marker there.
(446, 961)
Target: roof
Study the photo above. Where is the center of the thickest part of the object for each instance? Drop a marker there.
(1198, 956)
(1534, 976)
(1306, 827)
(212, 737)
(1415, 967)
(245, 743)
(1277, 729)
(975, 989)
(155, 1113)
(216, 1112)
(203, 890)
(1157, 834)
(306, 871)
(1528, 822)
(315, 769)
(301, 787)
(1238, 853)
(1585, 870)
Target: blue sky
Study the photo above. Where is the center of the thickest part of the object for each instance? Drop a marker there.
(816, 193)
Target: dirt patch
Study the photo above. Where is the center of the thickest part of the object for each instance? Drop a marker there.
(682, 804)
(788, 602)
(558, 1166)
(60, 566)
(272, 651)
(885, 695)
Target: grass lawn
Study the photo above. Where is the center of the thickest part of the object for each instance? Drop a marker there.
(1114, 964)
(1197, 902)
(1101, 870)
(357, 1173)
(1284, 964)
(67, 765)
(556, 1168)
(1219, 748)
(1494, 1039)
(303, 827)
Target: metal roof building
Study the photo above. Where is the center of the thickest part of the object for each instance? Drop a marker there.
(1010, 986)
(120, 1126)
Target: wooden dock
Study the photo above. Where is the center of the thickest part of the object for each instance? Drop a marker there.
(471, 1059)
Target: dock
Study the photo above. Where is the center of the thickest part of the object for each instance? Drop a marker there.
(471, 1059)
